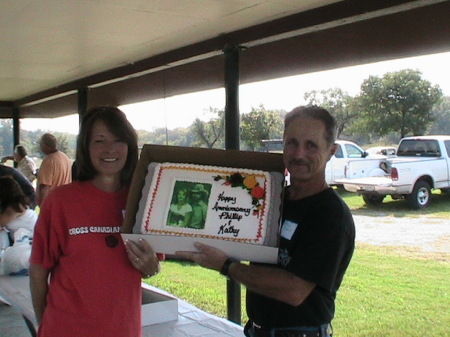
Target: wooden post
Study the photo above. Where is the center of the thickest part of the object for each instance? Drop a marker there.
(232, 143)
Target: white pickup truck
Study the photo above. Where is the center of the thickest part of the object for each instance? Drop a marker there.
(422, 164)
(346, 151)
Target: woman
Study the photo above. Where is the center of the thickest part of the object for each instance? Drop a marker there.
(95, 280)
(15, 212)
(180, 212)
(17, 223)
(24, 183)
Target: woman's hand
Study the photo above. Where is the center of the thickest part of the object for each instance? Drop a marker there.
(143, 257)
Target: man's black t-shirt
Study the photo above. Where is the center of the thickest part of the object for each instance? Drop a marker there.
(316, 244)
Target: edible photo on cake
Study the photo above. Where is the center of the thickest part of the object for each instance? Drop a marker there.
(189, 205)
(202, 201)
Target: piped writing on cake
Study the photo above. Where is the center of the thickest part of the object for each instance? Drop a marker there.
(208, 202)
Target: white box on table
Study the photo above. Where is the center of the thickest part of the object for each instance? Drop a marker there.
(158, 308)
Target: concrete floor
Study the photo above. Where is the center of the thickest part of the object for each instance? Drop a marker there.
(12, 324)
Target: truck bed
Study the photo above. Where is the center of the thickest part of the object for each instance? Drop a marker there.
(377, 185)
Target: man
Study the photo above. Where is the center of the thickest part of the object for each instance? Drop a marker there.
(25, 164)
(199, 207)
(296, 297)
(55, 170)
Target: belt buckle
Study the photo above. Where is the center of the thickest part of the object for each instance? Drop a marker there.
(260, 331)
(256, 325)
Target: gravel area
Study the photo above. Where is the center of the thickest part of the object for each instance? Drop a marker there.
(423, 233)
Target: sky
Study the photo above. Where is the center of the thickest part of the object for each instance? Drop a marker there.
(284, 93)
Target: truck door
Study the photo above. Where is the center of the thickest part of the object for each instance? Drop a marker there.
(447, 156)
(335, 168)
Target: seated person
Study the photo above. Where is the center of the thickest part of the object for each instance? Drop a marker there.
(24, 183)
(17, 223)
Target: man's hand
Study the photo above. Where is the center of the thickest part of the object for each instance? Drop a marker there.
(208, 256)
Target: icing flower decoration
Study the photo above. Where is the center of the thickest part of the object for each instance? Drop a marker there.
(250, 184)
(257, 192)
(236, 179)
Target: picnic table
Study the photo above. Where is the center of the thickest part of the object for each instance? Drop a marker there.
(192, 321)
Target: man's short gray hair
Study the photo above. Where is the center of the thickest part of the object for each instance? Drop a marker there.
(318, 113)
(49, 140)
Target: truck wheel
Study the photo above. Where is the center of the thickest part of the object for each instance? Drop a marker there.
(420, 196)
(373, 199)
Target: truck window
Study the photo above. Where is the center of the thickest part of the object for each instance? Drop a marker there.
(353, 151)
(419, 148)
(339, 153)
(447, 147)
(273, 145)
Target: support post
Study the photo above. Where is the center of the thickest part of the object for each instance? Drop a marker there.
(16, 126)
(82, 103)
(232, 97)
(16, 130)
(232, 143)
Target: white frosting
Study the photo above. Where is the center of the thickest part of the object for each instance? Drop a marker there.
(231, 212)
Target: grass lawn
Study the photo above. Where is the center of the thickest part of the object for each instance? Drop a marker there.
(439, 207)
(386, 292)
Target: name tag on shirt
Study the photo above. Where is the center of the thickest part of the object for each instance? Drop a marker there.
(288, 229)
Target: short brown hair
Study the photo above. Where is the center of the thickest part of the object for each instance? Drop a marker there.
(21, 150)
(49, 141)
(318, 113)
(11, 195)
(117, 123)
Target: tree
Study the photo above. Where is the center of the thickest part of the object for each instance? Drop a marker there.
(6, 137)
(398, 102)
(62, 139)
(337, 102)
(182, 137)
(211, 133)
(441, 112)
(260, 124)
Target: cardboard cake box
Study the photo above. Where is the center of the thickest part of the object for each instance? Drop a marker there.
(169, 244)
(157, 307)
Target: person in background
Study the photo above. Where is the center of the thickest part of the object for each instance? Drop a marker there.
(23, 182)
(55, 170)
(25, 164)
(95, 278)
(17, 223)
(296, 297)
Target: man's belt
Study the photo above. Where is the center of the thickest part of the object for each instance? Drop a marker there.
(322, 331)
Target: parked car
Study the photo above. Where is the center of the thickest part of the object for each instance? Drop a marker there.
(273, 145)
(422, 164)
(389, 151)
